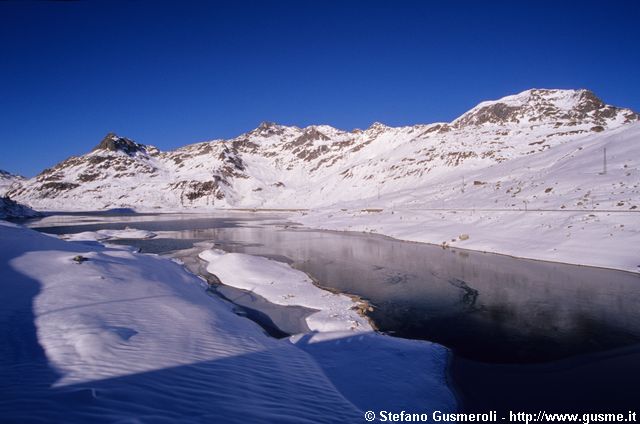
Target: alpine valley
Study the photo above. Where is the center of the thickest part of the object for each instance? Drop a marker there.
(563, 154)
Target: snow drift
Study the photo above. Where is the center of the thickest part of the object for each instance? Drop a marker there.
(128, 337)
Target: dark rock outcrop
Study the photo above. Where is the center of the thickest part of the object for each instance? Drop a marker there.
(114, 143)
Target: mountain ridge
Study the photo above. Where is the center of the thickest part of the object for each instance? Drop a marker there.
(319, 165)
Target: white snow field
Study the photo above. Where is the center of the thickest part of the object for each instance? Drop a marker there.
(126, 337)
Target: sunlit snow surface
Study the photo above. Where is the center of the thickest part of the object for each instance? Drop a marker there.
(280, 284)
(561, 207)
(133, 338)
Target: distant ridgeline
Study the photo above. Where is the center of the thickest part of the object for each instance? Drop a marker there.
(276, 166)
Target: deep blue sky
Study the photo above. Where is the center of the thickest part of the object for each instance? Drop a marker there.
(172, 73)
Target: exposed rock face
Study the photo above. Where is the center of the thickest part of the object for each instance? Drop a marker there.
(113, 143)
(290, 167)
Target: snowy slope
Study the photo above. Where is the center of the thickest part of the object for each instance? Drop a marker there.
(319, 166)
(556, 205)
(123, 337)
(12, 209)
(9, 181)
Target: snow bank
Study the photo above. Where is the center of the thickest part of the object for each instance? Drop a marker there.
(375, 361)
(129, 337)
(280, 284)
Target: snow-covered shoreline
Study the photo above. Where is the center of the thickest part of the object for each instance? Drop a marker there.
(590, 238)
(120, 336)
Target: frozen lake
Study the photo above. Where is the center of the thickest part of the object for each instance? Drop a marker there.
(489, 309)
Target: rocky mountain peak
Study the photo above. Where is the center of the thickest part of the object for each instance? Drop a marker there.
(561, 107)
(376, 129)
(265, 125)
(115, 143)
(377, 125)
(268, 129)
(313, 133)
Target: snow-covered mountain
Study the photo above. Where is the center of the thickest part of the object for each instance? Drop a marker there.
(277, 166)
(8, 207)
(8, 181)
